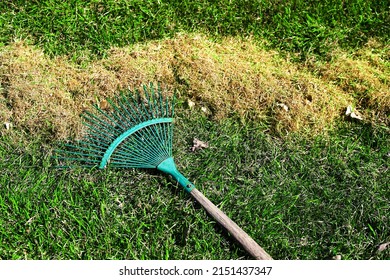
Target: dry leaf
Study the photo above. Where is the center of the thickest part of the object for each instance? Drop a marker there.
(190, 103)
(353, 113)
(103, 105)
(120, 204)
(349, 110)
(198, 145)
(356, 115)
(283, 106)
(7, 125)
(30, 220)
(205, 110)
(383, 246)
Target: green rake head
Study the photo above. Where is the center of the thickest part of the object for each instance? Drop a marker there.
(136, 132)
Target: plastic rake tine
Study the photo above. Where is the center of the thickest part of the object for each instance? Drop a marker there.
(136, 132)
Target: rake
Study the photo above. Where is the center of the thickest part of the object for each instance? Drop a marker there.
(136, 132)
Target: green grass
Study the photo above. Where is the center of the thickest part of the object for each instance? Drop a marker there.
(301, 27)
(299, 199)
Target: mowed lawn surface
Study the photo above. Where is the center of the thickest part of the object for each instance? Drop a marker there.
(306, 182)
(299, 199)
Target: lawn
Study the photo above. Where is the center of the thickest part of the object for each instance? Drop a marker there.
(306, 182)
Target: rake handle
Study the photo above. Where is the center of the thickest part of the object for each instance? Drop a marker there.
(168, 166)
(240, 235)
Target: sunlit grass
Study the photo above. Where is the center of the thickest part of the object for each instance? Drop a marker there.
(305, 183)
(304, 28)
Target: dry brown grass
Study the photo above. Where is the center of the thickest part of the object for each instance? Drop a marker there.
(364, 75)
(45, 96)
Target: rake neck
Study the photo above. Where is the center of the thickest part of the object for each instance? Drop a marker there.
(168, 166)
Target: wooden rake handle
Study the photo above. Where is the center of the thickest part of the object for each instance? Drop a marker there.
(168, 166)
(241, 236)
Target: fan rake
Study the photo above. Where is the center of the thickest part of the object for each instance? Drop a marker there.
(136, 132)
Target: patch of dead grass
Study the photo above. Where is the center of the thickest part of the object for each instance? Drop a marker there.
(364, 75)
(45, 96)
